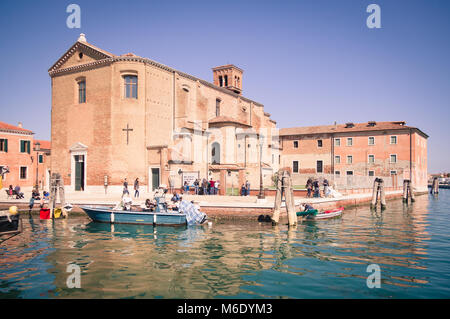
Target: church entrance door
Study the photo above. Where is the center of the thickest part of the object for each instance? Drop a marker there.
(79, 172)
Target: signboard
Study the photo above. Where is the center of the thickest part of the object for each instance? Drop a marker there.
(189, 177)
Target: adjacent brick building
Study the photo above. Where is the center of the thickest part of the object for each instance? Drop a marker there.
(18, 152)
(361, 149)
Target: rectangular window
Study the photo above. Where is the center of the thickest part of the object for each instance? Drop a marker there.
(371, 140)
(131, 86)
(349, 159)
(295, 144)
(371, 159)
(319, 166)
(337, 159)
(338, 173)
(393, 158)
(337, 142)
(41, 158)
(393, 139)
(23, 172)
(295, 166)
(82, 92)
(349, 141)
(349, 172)
(3, 145)
(371, 173)
(217, 107)
(273, 158)
(319, 143)
(25, 146)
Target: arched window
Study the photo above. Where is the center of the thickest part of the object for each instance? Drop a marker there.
(82, 91)
(217, 107)
(130, 82)
(215, 153)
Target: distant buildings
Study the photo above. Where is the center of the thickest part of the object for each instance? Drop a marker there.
(18, 151)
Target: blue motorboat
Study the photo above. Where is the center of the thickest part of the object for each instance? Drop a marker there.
(111, 215)
(156, 214)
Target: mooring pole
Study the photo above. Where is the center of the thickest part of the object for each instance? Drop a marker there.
(292, 216)
(411, 192)
(373, 204)
(405, 191)
(278, 196)
(435, 186)
(382, 194)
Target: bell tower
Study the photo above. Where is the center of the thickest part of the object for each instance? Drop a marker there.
(228, 76)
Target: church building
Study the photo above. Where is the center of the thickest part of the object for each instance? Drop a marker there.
(125, 116)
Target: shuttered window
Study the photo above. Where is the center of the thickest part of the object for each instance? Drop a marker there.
(25, 146)
(4, 145)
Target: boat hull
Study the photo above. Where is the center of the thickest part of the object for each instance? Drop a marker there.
(11, 225)
(327, 214)
(107, 215)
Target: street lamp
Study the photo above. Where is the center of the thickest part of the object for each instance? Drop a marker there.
(261, 190)
(37, 148)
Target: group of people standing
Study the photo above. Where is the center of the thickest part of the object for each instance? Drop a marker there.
(313, 187)
(136, 188)
(204, 187)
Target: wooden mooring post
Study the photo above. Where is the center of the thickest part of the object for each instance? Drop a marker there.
(56, 184)
(378, 192)
(435, 186)
(408, 192)
(284, 187)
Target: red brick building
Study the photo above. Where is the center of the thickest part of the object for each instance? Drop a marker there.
(373, 149)
(18, 152)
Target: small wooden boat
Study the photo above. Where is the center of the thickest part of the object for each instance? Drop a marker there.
(110, 215)
(327, 214)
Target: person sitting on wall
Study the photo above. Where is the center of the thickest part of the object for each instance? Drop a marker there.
(35, 194)
(11, 191)
(46, 194)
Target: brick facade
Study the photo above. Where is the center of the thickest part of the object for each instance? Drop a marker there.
(176, 119)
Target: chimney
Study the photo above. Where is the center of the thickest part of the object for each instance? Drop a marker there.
(82, 38)
(19, 124)
(349, 124)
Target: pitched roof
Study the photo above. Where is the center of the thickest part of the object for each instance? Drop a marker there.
(5, 127)
(345, 128)
(226, 119)
(102, 54)
(46, 145)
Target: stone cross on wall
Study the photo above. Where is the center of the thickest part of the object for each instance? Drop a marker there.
(128, 131)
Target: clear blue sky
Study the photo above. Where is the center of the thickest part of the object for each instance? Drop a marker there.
(309, 62)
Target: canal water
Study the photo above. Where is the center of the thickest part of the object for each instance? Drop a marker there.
(318, 259)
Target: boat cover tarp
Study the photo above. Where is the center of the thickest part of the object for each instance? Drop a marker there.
(193, 215)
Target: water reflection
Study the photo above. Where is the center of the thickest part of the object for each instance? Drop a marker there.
(325, 258)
